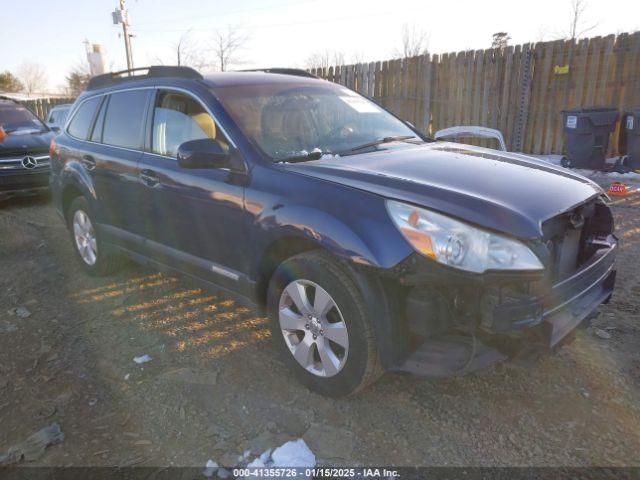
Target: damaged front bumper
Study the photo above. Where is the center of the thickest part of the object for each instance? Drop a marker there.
(464, 323)
(554, 310)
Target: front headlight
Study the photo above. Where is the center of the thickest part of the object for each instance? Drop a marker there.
(458, 244)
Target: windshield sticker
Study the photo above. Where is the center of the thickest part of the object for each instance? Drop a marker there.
(361, 105)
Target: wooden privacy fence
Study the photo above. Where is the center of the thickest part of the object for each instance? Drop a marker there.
(519, 90)
(42, 106)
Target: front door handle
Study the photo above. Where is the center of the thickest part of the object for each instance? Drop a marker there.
(149, 177)
(89, 162)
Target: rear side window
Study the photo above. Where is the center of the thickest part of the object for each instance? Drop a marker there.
(81, 121)
(124, 119)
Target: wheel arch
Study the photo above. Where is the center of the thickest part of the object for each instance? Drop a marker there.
(76, 182)
(277, 252)
(69, 193)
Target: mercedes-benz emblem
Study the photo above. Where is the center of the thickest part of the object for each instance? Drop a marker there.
(29, 162)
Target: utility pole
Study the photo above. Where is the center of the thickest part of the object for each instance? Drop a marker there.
(121, 16)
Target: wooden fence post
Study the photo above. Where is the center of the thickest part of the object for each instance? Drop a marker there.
(523, 98)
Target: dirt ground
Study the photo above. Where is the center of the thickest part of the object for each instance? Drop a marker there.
(214, 387)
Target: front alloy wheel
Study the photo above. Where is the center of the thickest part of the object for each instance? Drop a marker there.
(321, 324)
(313, 328)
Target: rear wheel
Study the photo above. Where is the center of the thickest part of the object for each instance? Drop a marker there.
(95, 257)
(321, 325)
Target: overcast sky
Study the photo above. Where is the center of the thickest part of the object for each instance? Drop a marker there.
(283, 32)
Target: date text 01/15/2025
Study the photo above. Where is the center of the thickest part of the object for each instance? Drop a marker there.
(320, 472)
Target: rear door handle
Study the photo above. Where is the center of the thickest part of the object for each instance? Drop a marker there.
(149, 177)
(89, 162)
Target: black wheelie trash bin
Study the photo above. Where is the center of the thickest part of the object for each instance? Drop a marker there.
(630, 139)
(587, 132)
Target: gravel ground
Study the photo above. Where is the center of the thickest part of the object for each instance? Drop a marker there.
(214, 388)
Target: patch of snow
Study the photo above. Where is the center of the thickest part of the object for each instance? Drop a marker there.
(142, 359)
(210, 468)
(257, 463)
(293, 454)
(266, 455)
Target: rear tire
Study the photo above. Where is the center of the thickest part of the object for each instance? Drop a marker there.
(328, 342)
(96, 258)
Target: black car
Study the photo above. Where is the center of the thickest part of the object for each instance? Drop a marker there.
(24, 150)
(371, 246)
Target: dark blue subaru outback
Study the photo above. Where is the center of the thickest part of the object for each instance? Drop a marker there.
(372, 247)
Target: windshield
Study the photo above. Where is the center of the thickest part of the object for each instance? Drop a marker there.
(18, 120)
(291, 119)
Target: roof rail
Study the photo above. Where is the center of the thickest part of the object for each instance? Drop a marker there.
(112, 78)
(284, 71)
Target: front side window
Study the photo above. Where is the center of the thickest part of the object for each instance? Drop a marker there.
(179, 118)
(289, 119)
(81, 121)
(125, 118)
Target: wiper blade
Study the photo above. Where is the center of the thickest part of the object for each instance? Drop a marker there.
(380, 141)
(315, 154)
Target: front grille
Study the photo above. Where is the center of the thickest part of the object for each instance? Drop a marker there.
(567, 252)
(572, 237)
(21, 151)
(18, 163)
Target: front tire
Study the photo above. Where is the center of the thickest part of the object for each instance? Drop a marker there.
(95, 257)
(321, 327)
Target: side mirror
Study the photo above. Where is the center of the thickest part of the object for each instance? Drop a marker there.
(206, 153)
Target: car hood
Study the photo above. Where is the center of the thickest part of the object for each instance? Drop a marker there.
(506, 192)
(16, 145)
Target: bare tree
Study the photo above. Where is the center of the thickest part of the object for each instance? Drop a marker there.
(325, 59)
(500, 40)
(415, 42)
(33, 77)
(187, 52)
(227, 44)
(577, 27)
